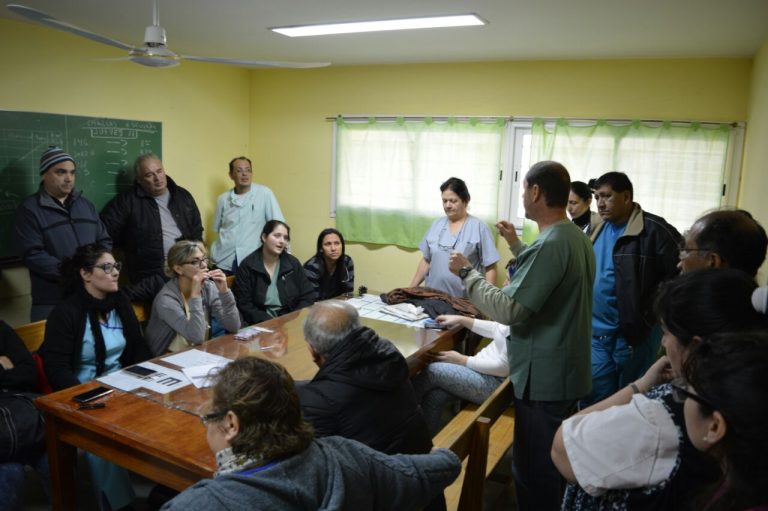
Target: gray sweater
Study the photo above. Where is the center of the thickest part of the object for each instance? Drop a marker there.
(333, 473)
(168, 318)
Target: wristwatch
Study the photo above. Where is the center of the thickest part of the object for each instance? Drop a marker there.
(464, 272)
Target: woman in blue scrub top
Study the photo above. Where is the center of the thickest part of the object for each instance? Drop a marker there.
(457, 231)
(92, 333)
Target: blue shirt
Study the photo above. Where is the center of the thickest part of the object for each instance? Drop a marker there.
(474, 240)
(605, 308)
(114, 342)
(239, 220)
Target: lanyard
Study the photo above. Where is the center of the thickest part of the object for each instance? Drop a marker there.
(259, 469)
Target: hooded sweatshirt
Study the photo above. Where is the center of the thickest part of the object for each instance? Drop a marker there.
(331, 474)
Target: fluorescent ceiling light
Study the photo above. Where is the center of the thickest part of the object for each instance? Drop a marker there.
(461, 20)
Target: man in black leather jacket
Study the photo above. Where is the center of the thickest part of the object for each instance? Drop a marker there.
(146, 220)
(634, 252)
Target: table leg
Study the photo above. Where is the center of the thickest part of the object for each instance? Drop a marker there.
(62, 459)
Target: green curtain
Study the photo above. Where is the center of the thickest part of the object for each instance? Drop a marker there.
(388, 175)
(677, 170)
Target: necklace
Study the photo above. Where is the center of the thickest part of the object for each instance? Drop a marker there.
(446, 229)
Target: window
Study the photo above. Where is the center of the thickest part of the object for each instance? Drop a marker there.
(388, 174)
(678, 170)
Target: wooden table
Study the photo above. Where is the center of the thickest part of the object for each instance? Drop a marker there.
(162, 438)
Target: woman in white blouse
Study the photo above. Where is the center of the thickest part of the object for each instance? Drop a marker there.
(451, 376)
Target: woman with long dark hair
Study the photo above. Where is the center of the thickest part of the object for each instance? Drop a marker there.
(725, 392)
(92, 333)
(271, 282)
(331, 271)
(579, 207)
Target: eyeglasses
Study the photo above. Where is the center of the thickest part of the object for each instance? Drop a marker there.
(680, 393)
(210, 417)
(109, 267)
(201, 262)
(243, 172)
(684, 251)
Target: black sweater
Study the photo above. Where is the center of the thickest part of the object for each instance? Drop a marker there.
(22, 377)
(63, 345)
(252, 280)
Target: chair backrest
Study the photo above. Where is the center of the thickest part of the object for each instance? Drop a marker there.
(472, 442)
(32, 334)
(141, 311)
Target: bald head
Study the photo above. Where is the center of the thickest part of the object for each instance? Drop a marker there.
(328, 323)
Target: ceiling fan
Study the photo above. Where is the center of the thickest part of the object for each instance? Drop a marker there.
(154, 53)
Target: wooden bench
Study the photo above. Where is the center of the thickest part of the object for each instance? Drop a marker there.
(479, 435)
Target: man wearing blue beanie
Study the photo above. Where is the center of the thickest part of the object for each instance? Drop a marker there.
(51, 224)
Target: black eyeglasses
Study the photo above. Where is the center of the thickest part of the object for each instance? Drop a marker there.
(210, 417)
(109, 267)
(201, 262)
(680, 393)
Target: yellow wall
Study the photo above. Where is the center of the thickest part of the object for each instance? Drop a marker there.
(211, 113)
(754, 183)
(204, 108)
(291, 141)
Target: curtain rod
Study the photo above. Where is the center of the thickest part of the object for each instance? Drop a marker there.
(488, 118)
(358, 117)
(733, 124)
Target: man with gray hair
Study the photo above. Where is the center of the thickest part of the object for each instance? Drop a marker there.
(146, 220)
(362, 390)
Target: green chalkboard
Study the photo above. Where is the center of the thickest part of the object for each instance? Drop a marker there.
(103, 149)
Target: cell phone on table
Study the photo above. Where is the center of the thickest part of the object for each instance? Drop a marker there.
(92, 394)
(140, 371)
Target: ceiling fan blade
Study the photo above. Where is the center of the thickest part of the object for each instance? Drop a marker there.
(48, 20)
(257, 63)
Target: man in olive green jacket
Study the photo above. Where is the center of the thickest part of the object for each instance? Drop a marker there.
(548, 306)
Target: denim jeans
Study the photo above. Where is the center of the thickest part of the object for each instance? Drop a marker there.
(441, 384)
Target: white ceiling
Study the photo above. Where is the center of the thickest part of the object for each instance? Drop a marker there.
(517, 29)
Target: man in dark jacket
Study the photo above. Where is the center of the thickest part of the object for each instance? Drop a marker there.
(634, 252)
(362, 390)
(50, 225)
(146, 220)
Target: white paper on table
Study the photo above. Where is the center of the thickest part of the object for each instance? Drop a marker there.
(121, 380)
(194, 358)
(202, 376)
(163, 381)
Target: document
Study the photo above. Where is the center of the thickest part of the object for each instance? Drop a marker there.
(162, 381)
(202, 376)
(194, 358)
